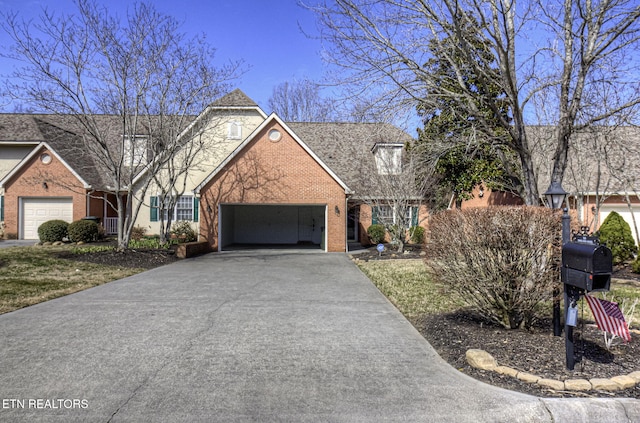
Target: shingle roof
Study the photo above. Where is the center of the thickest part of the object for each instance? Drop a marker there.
(602, 159)
(235, 98)
(346, 147)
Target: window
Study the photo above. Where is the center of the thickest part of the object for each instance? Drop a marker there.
(135, 151)
(385, 215)
(235, 131)
(388, 158)
(186, 208)
(1, 208)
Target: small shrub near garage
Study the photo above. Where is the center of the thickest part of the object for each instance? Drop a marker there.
(417, 234)
(53, 231)
(615, 232)
(182, 231)
(83, 231)
(635, 266)
(138, 232)
(376, 233)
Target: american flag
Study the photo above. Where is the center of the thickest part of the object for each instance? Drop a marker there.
(608, 317)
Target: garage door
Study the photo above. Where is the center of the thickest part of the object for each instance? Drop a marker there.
(281, 225)
(624, 212)
(36, 211)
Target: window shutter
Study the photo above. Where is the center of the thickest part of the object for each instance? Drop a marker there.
(154, 209)
(1, 208)
(196, 209)
(374, 215)
(414, 216)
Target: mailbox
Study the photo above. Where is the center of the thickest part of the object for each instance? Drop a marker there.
(587, 266)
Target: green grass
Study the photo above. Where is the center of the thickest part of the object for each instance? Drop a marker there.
(406, 284)
(30, 275)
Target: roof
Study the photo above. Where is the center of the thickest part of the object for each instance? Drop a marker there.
(346, 148)
(235, 99)
(601, 159)
(64, 135)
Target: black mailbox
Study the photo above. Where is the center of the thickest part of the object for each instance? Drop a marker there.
(587, 266)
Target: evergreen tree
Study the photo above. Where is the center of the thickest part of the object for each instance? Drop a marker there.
(453, 139)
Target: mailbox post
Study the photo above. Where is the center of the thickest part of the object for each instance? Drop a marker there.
(586, 267)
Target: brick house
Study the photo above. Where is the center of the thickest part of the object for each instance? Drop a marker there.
(264, 181)
(602, 176)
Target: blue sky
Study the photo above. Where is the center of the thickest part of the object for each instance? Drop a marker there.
(264, 33)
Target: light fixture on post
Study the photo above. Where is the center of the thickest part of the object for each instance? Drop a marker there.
(555, 196)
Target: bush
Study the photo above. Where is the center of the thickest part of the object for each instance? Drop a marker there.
(138, 232)
(502, 261)
(635, 266)
(417, 234)
(53, 231)
(183, 232)
(376, 233)
(83, 231)
(615, 232)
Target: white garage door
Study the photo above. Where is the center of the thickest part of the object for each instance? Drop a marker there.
(36, 211)
(624, 212)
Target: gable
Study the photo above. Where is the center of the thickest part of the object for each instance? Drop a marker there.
(264, 153)
(43, 165)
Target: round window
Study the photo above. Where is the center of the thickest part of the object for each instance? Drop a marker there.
(275, 135)
(45, 158)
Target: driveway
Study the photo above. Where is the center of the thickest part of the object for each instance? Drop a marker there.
(246, 336)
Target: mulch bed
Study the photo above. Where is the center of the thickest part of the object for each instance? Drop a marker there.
(138, 258)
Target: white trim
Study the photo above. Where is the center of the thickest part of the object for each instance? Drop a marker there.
(30, 156)
(253, 135)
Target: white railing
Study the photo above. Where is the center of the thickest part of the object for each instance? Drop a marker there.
(111, 225)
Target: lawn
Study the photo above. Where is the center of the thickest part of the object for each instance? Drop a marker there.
(406, 284)
(30, 275)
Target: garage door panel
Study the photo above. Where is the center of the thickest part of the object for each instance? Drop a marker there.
(36, 211)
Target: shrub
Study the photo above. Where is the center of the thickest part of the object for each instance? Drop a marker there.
(138, 232)
(376, 233)
(83, 231)
(502, 261)
(417, 234)
(183, 232)
(635, 266)
(615, 232)
(53, 231)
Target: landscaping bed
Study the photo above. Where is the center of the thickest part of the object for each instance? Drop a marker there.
(452, 330)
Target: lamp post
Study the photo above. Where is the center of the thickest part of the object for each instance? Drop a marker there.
(556, 195)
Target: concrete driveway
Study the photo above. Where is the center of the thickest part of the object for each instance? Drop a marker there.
(246, 336)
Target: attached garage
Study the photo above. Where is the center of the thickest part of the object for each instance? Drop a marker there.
(282, 225)
(36, 211)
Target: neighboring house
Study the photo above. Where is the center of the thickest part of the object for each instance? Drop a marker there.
(260, 181)
(603, 174)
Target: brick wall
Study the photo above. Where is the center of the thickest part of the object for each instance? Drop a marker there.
(268, 172)
(29, 182)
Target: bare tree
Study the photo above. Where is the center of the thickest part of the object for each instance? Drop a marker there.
(149, 79)
(381, 47)
(300, 101)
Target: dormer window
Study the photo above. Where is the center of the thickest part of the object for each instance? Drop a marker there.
(235, 131)
(135, 151)
(388, 158)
